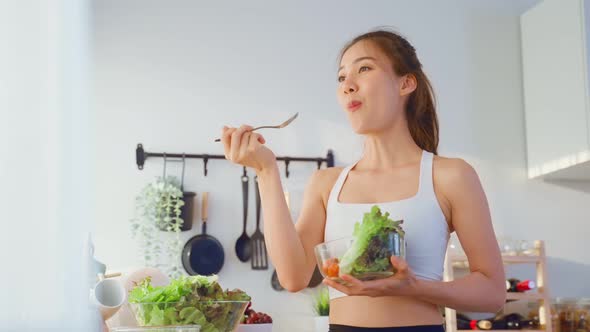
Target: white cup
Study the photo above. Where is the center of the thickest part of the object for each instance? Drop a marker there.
(108, 295)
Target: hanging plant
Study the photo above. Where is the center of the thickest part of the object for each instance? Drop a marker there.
(158, 207)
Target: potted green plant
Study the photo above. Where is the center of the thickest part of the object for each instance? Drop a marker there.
(158, 207)
(186, 211)
(321, 307)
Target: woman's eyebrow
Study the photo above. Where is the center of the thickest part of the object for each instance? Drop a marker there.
(360, 59)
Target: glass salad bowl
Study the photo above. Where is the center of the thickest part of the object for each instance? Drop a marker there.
(181, 328)
(211, 315)
(362, 258)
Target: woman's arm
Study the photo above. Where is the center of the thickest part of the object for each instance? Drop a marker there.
(290, 247)
(484, 288)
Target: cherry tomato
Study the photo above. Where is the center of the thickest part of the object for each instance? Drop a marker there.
(333, 270)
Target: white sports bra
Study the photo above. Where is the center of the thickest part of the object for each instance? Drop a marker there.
(424, 223)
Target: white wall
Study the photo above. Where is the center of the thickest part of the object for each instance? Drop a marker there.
(171, 74)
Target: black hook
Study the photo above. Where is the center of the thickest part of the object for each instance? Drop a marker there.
(140, 156)
(319, 163)
(287, 161)
(245, 172)
(205, 160)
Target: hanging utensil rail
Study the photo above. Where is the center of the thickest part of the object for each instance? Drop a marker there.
(141, 156)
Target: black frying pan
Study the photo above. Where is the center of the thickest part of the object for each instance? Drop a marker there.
(316, 280)
(203, 254)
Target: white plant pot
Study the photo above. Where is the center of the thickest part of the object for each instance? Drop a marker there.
(322, 324)
(254, 328)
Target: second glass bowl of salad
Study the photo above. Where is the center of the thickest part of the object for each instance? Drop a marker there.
(211, 315)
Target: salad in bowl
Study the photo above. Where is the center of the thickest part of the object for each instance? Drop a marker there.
(366, 254)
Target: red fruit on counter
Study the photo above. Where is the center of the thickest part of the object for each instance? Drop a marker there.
(253, 317)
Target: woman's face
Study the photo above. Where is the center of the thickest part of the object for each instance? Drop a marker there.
(369, 91)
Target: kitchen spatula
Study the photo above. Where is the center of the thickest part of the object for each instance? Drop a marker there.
(259, 258)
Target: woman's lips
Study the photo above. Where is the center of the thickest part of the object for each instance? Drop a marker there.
(354, 105)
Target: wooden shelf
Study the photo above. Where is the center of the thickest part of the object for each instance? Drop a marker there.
(535, 256)
(525, 296)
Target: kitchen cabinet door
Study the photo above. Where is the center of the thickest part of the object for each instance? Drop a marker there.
(554, 37)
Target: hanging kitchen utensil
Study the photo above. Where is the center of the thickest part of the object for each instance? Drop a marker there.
(275, 283)
(187, 210)
(259, 258)
(243, 244)
(316, 278)
(203, 254)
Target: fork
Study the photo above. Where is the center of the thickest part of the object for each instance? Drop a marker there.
(282, 125)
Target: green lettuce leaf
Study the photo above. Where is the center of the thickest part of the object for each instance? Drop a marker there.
(187, 300)
(368, 252)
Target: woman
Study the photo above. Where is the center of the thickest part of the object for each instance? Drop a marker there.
(389, 100)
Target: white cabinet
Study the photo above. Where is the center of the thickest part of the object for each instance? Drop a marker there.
(555, 38)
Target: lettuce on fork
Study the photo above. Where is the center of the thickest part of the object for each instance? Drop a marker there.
(369, 252)
(186, 301)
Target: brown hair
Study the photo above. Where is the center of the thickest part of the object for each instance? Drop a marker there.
(420, 108)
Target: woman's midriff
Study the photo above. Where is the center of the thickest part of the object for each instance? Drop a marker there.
(388, 311)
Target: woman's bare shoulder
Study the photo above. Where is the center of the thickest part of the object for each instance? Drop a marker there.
(454, 178)
(329, 174)
(324, 179)
(452, 169)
